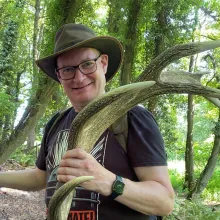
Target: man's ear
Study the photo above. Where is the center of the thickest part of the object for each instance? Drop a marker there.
(104, 61)
(60, 80)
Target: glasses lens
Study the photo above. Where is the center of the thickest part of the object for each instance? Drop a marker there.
(88, 67)
(67, 72)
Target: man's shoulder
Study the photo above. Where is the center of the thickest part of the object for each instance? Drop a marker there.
(140, 112)
(138, 109)
(57, 117)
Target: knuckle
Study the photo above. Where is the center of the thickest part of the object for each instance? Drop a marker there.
(68, 178)
(65, 170)
(88, 165)
(64, 178)
(62, 162)
(78, 150)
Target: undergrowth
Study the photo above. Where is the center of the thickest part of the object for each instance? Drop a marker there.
(207, 207)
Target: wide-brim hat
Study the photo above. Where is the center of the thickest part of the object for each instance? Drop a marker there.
(71, 36)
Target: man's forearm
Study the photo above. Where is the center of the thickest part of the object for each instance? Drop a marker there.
(28, 180)
(147, 197)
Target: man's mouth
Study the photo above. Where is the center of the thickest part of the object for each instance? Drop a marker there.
(82, 87)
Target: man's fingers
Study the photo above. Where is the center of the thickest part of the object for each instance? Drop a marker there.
(65, 178)
(65, 171)
(75, 153)
(71, 162)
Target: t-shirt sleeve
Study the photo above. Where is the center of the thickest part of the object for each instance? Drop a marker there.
(145, 143)
(41, 159)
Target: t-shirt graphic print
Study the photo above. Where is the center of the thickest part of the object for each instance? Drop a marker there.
(85, 203)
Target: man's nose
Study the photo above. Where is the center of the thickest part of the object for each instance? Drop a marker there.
(79, 76)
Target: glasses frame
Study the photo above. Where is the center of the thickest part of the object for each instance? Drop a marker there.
(78, 67)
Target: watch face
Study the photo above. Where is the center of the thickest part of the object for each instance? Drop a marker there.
(118, 187)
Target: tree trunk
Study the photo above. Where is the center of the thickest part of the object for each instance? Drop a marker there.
(9, 75)
(31, 139)
(114, 16)
(210, 166)
(189, 154)
(35, 33)
(131, 37)
(32, 114)
(159, 46)
(74, 8)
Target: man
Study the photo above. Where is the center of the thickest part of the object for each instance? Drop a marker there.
(82, 63)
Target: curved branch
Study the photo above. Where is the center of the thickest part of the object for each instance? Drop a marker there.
(153, 71)
(214, 101)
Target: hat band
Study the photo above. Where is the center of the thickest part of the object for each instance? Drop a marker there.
(67, 45)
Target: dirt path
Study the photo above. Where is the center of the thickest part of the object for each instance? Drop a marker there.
(20, 205)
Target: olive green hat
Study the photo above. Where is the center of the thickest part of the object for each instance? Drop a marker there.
(71, 36)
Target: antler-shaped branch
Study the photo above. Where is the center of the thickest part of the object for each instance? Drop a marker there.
(154, 69)
(96, 117)
(178, 79)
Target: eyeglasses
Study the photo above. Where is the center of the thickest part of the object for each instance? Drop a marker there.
(87, 67)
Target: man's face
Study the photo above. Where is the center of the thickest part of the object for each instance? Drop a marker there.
(82, 89)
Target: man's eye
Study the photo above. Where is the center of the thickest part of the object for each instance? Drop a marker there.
(68, 70)
(87, 64)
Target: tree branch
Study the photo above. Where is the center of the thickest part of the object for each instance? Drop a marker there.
(153, 71)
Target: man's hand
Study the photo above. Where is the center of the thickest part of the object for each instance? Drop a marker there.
(77, 163)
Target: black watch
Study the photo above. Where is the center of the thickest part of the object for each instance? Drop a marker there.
(117, 187)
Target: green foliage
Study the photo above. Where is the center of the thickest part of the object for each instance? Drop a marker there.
(177, 180)
(212, 191)
(58, 102)
(24, 158)
(169, 116)
(193, 210)
(6, 107)
(196, 209)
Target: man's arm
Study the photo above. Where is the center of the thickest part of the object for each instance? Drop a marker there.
(153, 195)
(28, 180)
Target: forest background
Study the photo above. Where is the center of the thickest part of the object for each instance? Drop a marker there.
(189, 124)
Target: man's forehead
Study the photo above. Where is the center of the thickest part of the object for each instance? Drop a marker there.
(80, 51)
(78, 54)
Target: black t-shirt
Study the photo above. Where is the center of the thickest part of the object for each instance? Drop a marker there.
(145, 147)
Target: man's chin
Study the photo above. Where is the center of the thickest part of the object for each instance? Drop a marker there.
(81, 102)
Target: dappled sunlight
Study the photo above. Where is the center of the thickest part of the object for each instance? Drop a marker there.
(177, 165)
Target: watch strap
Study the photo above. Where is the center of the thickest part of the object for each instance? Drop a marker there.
(115, 193)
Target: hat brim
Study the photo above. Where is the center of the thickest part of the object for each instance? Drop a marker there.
(105, 44)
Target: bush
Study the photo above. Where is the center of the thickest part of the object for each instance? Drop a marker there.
(24, 158)
(193, 210)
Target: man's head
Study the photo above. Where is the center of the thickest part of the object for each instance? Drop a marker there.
(81, 71)
(71, 36)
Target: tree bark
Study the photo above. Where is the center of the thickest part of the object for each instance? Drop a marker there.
(31, 136)
(210, 166)
(189, 153)
(32, 114)
(9, 74)
(35, 33)
(31, 139)
(131, 37)
(114, 16)
(159, 46)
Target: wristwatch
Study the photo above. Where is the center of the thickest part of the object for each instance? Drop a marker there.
(117, 187)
